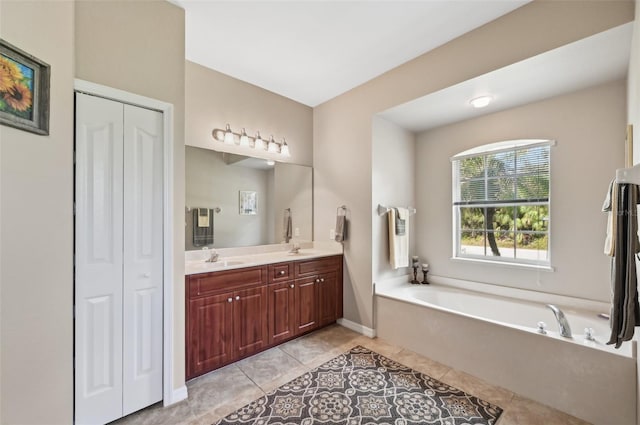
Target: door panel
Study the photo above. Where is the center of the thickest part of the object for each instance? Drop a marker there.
(306, 304)
(327, 306)
(282, 314)
(250, 320)
(143, 257)
(210, 333)
(98, 262)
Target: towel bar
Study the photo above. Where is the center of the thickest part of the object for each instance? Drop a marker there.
(383, 209)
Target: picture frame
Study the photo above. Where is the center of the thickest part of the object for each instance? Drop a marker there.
(24, 90)
(248, 202)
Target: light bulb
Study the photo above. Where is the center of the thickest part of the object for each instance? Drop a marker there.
(228, 136)
(244, 139)
(271, 162)
(481, 102)
(259, 143)
(284, 148)
(273, 146)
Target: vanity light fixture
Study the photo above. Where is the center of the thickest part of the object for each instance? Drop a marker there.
(258, 143)
(284, 148)
(481, 101)
(273, 146)
(228, 137)
(244, 139)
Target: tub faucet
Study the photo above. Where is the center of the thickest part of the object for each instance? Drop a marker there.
(565, 329)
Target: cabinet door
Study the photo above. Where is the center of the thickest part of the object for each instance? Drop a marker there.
(210, 338)
(250, 320)
(282, 314)
(327, 305)
(306, 304)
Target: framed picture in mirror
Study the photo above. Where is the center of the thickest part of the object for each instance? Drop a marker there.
(248, 202)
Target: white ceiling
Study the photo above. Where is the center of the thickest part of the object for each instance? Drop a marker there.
(597, 59)
(311, 50)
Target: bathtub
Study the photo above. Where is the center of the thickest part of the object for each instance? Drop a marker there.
(492, 332)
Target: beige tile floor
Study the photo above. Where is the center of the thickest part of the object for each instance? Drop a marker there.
(222, 391)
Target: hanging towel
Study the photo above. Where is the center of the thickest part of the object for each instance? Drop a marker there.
(341, 225)
(610, 206)
(287, 227)
(625, 312)
(398, 243)
(202, 235)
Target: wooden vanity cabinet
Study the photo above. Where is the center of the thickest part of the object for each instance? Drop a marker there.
(232, 314)
(326, 275)
(226, 317)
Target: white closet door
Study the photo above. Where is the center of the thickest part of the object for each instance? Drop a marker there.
(143, 258)
(99, 263)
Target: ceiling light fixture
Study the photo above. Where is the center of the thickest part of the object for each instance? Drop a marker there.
(228, 137)
(481, 101)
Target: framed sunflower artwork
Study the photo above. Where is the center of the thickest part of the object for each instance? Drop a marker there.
(24, 90)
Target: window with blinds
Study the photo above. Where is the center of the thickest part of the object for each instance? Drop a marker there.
(501, 202)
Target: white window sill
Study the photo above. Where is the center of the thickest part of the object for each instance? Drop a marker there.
(506, 264)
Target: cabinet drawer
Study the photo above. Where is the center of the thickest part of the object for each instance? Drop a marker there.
(317, 265)
(208, 283)
(280, 272)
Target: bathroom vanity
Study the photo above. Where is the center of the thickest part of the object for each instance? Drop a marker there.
(239, 311)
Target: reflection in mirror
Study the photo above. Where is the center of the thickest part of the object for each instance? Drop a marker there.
(247, 201)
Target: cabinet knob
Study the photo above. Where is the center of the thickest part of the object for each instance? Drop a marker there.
(282, 272)
(291, 286)
(237, 297)
(229, 300)
(322, 280)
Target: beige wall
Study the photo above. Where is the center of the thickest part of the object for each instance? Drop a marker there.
(588, 126)
(214, 99)
(393, 184)
(138, 46)
(342, 156)
(36, 224)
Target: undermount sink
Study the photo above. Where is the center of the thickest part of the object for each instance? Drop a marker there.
(214, 265)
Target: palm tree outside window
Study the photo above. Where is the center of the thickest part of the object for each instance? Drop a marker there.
(501, 202)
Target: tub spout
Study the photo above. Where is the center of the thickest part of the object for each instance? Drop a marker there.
(565, 329)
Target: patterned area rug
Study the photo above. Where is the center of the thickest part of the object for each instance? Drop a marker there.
(361, 387)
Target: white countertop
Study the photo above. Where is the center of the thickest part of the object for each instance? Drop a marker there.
(249, 259)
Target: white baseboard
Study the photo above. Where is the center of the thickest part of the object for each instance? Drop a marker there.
(357, 327)
(177, 395)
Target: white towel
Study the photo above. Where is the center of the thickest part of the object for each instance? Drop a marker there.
(611, 207)
(398, 244)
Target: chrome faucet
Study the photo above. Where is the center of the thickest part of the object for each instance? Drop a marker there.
(565, 329)
(213, 256)
(295, 248)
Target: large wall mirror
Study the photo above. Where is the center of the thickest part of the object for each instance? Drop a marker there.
(234, 200)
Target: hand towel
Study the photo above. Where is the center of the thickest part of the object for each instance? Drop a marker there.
(341, 227)
(287, 226)
(202, 235)
(398, 243)
(203, 217)
(625, 311)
